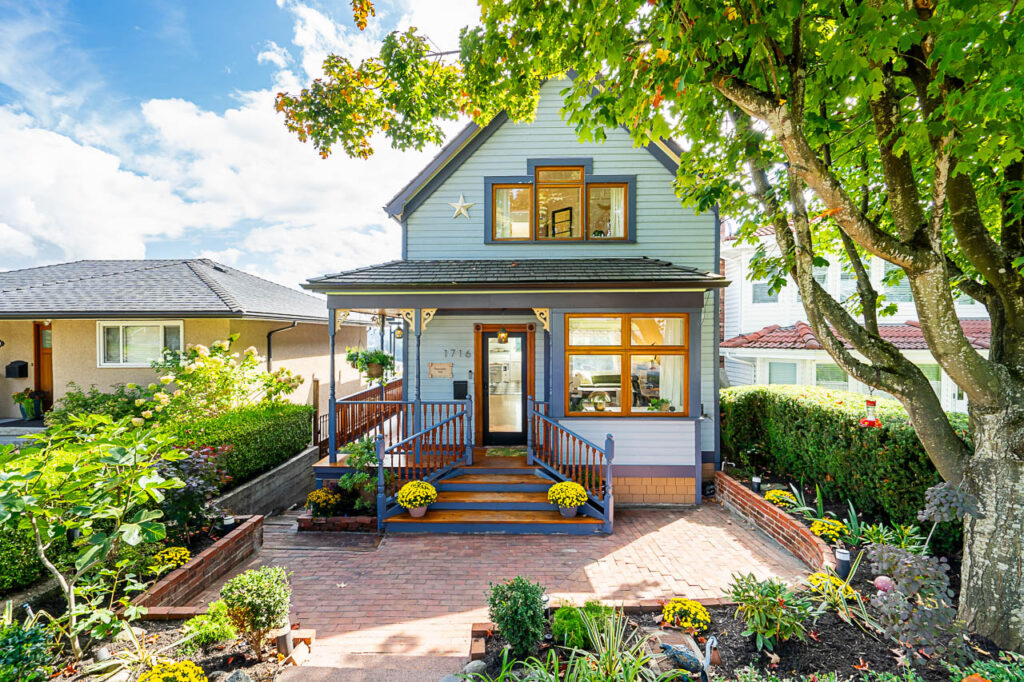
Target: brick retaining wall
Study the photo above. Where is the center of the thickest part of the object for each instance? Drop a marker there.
(780, 526)
(169, 598)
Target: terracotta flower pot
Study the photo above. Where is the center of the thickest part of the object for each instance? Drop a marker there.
(568, 512)
(374, 370)
(417, 512)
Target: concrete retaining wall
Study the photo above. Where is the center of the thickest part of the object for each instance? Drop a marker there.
(276, 490)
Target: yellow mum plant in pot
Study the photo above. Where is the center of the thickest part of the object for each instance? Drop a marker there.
(568, 496)
(415, 496)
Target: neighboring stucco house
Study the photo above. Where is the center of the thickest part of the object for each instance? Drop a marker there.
(562, 288)
(103, 322)
(767, 339)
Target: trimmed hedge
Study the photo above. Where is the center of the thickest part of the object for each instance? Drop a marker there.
(261, 437)
(812, 433)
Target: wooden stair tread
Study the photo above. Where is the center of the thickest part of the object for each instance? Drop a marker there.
(495, 478)
(486, 462)
(470, 516)
(485, 496)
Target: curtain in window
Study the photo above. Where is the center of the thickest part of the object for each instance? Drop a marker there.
(673, 371)
(617, 213)
(503, 212)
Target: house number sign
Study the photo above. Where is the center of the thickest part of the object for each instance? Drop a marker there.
(439, 370)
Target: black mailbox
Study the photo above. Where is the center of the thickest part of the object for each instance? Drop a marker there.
(16, 370)
(460, 389)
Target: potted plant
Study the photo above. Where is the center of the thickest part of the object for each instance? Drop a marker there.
(375, 363)
(323, 502)
(30, 402)
(568, 497)
(415, 496)
(352, 357)
(657, 405)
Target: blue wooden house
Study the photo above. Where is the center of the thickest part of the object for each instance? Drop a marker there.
(555, 296)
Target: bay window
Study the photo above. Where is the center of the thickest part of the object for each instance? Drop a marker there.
(630, 364)
(136, 343)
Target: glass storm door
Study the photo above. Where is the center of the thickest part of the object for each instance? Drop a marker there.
(504, 398)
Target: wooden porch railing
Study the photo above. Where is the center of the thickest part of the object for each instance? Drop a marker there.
(365, 413)
(445, 440)
(572, 457)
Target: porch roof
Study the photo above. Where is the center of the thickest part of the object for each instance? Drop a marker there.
(554, 272)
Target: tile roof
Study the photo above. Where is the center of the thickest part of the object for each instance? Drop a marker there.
(197, 287)
(905, 336)
(763, 231)
(506, 271)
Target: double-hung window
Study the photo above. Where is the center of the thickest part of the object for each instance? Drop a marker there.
(136, 343)
(560, 203)
(631, 364)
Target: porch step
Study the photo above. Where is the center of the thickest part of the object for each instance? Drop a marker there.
(509, 522)
(525, 501)
(494, 482)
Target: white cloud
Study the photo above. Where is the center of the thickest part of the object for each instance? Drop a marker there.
(274, 54)
(16, 242)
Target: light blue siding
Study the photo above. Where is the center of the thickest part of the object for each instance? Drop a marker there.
(642, 442)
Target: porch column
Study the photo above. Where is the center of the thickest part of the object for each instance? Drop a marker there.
(332, 412)
(417, 408)
(383, 378)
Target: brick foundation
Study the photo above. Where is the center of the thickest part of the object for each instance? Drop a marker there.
(169, 598)
(780, 526)
(630, 490)
(366, 524)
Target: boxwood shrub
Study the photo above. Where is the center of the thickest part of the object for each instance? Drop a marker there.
(812, 433)
(261, 437)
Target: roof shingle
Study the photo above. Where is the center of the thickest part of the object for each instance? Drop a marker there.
(905, 336)
(197, 286)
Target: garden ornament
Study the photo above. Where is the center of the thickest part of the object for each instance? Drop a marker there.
(684, 658)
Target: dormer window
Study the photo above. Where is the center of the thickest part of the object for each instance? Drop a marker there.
(560, 203)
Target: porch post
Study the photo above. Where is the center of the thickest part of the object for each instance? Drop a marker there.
(469, 429)
(609, 502)
(332, 414)
(383, 378)
(529, 430)
(381, 499)
(417, 409)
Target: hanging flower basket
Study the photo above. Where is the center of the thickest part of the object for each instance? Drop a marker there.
(374, 370)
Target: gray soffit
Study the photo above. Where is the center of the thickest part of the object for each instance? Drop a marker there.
(195, 287)
(560, 272)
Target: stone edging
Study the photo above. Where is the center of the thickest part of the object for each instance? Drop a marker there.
(776, 523)
(168, 599)
(365, 524)
(478, 631)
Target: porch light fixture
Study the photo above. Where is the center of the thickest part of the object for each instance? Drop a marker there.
(502, 335)
(870, 419)
(399, 333)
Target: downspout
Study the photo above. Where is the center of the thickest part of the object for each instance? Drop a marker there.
(270, 342)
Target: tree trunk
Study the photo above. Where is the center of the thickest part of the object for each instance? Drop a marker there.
(992, 592)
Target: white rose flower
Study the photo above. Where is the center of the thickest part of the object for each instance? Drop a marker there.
(166, 379)
(138, 421)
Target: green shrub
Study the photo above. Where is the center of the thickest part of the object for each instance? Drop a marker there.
(261, 437)
(1009, 669)
(25, 652)
(210, 628)
(517, 608)
(772, 611)
(116, 403)
(813, 434)
(568, 627)
(257, 602)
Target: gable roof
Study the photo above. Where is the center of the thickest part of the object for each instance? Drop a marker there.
(440, 273)
(196, 287)
(905, 336)
(463, 145)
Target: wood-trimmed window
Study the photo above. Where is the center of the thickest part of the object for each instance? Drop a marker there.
(561, 203)
(627, 364)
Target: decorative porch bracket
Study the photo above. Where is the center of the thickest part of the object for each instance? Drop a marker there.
(544, 315)
(340, 315)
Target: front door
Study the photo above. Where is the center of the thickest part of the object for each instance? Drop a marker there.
(504, 382)
(44, 362)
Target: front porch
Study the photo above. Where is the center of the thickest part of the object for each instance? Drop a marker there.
(599, 381)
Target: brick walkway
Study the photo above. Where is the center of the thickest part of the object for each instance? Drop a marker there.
(407, 604)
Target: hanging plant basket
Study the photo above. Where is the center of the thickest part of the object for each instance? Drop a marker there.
(374, 370)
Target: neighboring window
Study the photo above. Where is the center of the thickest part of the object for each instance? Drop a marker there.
(933, 373)
(830, 375)
(763, 293)
(847, 285)
(627, 364)
(606, 211)
(136, 344)
(820, 275)
(781, 372)
(897, 293)
(513, 209)
(560, 203)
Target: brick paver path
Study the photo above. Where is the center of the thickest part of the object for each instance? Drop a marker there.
(416, 595)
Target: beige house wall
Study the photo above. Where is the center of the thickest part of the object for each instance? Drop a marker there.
(303, 350)
(17, 338)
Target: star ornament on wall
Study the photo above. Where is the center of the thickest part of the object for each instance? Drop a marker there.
(461, 208)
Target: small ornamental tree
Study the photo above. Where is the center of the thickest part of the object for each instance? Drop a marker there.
(890, 130)
(257, 602)
(93, 478)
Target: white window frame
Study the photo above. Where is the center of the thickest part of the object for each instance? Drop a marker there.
(120, 324)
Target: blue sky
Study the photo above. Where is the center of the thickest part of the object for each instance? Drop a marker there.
(145, 128)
